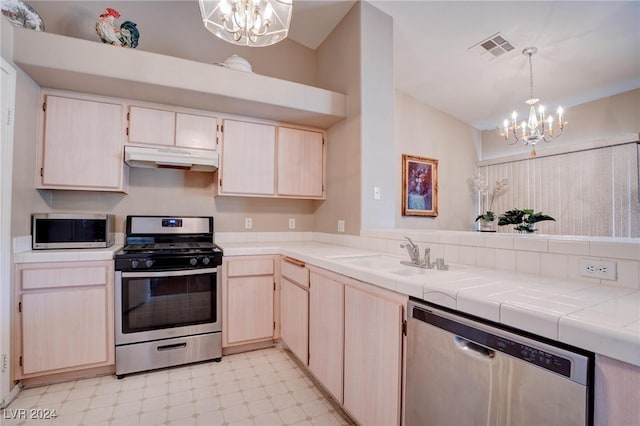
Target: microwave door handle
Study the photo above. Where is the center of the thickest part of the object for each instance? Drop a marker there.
(160, 274)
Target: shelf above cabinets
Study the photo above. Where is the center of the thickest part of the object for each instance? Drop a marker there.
(67, 63)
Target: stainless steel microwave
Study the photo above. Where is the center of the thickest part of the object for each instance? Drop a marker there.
(71, 230)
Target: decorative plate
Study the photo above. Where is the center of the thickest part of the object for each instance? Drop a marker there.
(21, 14)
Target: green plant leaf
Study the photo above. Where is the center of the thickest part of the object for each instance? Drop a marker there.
(539, 217)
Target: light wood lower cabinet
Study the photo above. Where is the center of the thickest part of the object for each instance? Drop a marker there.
(372, 357)
(354, 341)
(617, 393)
(248, 289)
(294, 307)
(65, 317)
(326, 331)
(294, 318)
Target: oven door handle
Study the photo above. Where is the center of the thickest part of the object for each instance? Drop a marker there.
(160, 274)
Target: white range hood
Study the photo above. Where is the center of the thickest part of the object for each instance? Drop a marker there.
(170, 158)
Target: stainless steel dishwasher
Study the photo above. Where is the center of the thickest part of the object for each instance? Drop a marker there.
(463, 372)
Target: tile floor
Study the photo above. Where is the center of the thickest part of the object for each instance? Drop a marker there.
(263, 387)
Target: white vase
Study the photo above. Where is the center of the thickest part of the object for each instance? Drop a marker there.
(487, 225)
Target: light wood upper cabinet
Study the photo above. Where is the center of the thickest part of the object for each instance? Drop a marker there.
(326, 331)
(196, 131)
(172, 129)
(263, 160)
(82, 144)
(151, 126)
(372, 357)
(65, 317)
(300, 163)
(248, 289)
(247, 164)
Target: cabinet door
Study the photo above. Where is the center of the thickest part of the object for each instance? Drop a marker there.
(196, 131)
(249, 308)
(326, 332)
(294, 319)
(83, 145)
(300, 163)
(62, 329)
(372, 358)
(247, 165)
(151, 126)
(617, 392)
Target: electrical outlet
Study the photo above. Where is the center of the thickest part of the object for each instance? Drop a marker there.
(248, 223)
(340, 225)
(594, 268)
(292, 223)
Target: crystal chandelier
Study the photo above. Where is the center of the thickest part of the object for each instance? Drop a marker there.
(247, 22)
(537, 128)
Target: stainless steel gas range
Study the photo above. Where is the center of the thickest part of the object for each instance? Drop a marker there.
(167, 294)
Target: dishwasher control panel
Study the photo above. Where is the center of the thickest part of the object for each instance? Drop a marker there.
(532, 355)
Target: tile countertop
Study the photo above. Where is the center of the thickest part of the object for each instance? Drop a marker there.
(68, 255)
(604, 319)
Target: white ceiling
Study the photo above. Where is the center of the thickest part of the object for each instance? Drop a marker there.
(586, 50)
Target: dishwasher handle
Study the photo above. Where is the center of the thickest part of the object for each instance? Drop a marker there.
(474, 348)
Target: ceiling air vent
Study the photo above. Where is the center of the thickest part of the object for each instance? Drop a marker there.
(492, 47)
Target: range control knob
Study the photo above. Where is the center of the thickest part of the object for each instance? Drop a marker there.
(134, 263)
(193, 261)
(206, 261)
(149, 263)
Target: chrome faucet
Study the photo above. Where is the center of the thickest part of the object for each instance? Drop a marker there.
(413, 250)
(414, 255)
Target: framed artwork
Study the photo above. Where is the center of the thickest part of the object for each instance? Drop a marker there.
(419, 186)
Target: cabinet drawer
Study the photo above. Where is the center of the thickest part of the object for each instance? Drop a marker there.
(295, 271)
(54, 277)
(249, 267)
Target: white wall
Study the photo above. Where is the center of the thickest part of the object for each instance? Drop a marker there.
(338, 69)
(427, 132)
(377, 140)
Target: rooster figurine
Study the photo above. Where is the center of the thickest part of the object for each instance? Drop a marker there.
(126, 36)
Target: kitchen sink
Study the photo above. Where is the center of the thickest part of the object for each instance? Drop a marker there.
(409, 271)
(373, 262)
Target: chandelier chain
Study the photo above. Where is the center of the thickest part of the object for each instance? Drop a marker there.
(530, 76)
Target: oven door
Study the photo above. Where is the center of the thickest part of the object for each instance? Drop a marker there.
(152, 305)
